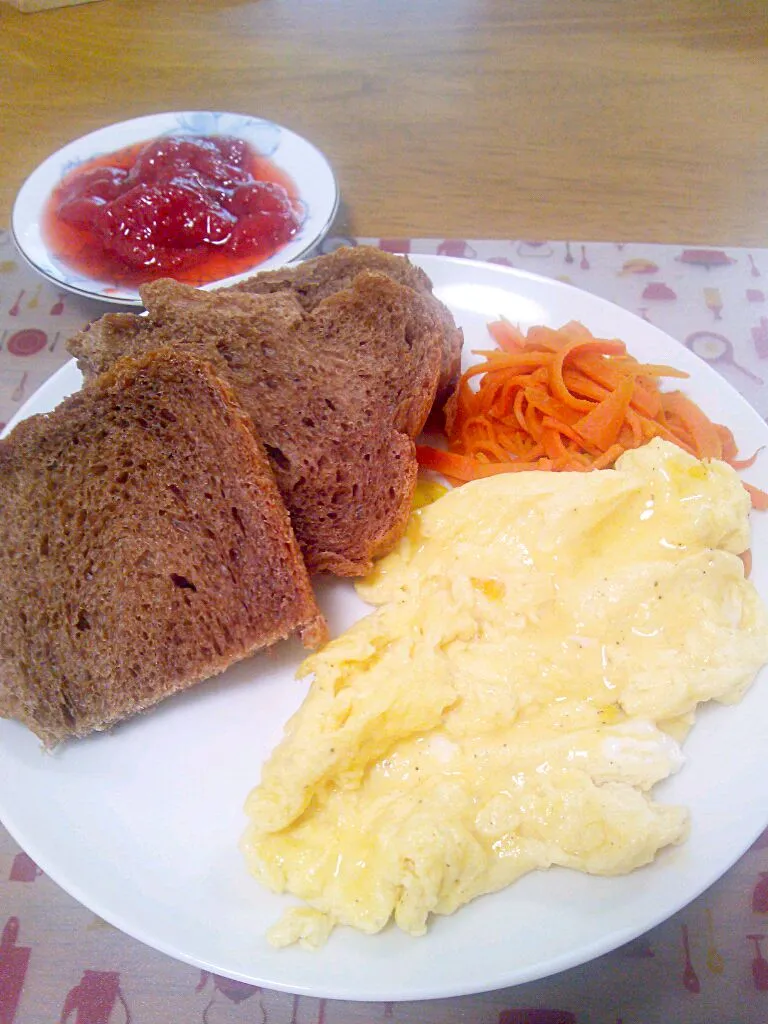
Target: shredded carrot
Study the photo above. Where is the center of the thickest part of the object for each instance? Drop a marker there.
(759, 498)
(566, 400)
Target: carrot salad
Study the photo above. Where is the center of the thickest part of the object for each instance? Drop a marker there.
(565, 400)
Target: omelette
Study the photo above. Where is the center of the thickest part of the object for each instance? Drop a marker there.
(539, 646)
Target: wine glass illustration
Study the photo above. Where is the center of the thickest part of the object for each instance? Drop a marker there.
(760, 895)
(34, 302)
(716, 348)
(14, 961)
(759, 965)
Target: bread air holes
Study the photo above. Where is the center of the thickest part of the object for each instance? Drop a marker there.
(277, 456)
(144, 561)
(236, 515)
(83, 623)
(182, 582)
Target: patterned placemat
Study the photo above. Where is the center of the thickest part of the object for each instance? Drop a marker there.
(706, 965)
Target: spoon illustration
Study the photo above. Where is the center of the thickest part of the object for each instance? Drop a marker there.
(18, 391)
(715, 348)
(690, 978)
(715, 962)
(16, 307)
(295, 1010)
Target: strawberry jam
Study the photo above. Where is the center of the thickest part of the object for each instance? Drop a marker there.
(194, 208)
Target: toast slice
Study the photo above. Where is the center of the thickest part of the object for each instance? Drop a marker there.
(316, 279)
(337, 389)
(144, 547)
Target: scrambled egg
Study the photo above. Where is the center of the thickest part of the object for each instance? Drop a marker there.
(540, 646)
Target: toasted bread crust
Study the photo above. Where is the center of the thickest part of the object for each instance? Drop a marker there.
(144, 546)
(338, 381)
(316, 279)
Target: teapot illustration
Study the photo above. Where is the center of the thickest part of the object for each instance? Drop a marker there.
(536, 250)
(233, 992)
(14, 961)
(396, 245)
(456, 247)
(94, 998)
(23, 869)
(705, 258)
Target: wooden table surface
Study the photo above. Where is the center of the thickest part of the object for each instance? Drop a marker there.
(623, 120)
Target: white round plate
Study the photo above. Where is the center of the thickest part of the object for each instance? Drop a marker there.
(142, 825)
(307, 167)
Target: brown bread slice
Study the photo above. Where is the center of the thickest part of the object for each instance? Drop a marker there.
(337, 394)
(144, 546)
(316, 279)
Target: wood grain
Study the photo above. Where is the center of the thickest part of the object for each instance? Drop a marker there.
(30, 6)
(635, 120)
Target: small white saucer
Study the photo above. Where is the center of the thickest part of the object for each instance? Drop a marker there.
(307, 167)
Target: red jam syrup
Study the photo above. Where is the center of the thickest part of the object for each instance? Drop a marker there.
(194, 208)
